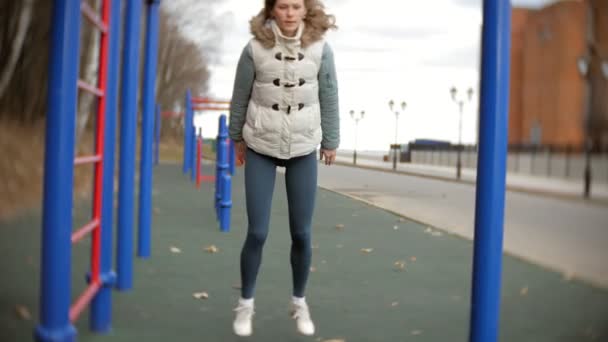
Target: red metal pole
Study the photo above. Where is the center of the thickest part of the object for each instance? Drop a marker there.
(208, 100)
(211, 108)
(99, 143)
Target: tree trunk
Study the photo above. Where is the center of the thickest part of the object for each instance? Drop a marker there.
(89, 70)
(25, 18)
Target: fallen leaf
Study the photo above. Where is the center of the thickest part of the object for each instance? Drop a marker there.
(395, 227)
(393, 304)
(340, 226)
(313, 269)
(200, 295)
(367, 250)
(211, 249)
(399, 265)
(413, 258)
(175, 250)
(23, 312)
(523, 291)
(428, 230)
(416, 332)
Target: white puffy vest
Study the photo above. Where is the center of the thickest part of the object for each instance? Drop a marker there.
(284, 116)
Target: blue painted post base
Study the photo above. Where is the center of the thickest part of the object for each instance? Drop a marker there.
(100, 319)
(65, 334)
(225, 202)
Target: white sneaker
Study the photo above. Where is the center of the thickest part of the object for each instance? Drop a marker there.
(300, 312)
(242, 322)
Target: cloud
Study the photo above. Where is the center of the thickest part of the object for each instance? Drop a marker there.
(516, 3)
(401, 32)
(459, 57)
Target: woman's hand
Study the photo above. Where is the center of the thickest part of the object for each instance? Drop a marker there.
(328, 155)
(240, 147)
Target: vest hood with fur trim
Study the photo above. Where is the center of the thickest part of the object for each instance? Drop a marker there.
(262, 31)
(283, 116)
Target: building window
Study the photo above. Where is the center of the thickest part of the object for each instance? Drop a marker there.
(536, 133)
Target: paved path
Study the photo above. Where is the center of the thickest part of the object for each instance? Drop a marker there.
(570, 236)
(557, 187)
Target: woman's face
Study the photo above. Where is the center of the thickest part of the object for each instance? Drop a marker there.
(289, 15)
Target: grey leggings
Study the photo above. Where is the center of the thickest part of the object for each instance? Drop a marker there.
(301, 182)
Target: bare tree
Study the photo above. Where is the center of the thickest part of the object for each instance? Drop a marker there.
(189, 36)
(89, 67)
(8, 68)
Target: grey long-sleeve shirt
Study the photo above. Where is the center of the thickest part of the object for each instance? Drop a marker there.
(328, 97)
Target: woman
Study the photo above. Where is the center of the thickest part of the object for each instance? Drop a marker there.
(284, 104)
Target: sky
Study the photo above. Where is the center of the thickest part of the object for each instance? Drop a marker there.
(404, 50)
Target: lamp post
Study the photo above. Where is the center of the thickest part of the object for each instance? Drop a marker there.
(583, 69)
(460, 102)
(356, 117)
(585, 63)
(391, 104)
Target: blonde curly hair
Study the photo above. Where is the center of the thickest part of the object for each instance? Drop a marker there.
(316, 21)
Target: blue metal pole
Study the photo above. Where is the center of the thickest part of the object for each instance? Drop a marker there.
(222, 162)
(157, 144)
(225, 202)
(232, 157)
(193, 156)
(191, 145)
(144, 241)
(491, 172)
(128, 129)
(55, 259)
(187, 132)
(101, 306)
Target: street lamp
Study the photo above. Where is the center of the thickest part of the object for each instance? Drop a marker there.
(460, 102)
(356, 117)
(391, 104)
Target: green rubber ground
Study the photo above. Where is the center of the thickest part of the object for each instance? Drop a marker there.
(353, 295)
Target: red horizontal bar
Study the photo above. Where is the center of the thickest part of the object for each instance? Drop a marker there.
(208, 100)
(171, 114)
(84, 300)
(207, 178)
(211, 108)
(82, 232)
(91, 89)
(93, 17)
(88, 159)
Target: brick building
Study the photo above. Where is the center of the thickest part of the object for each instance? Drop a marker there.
(548, 93)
